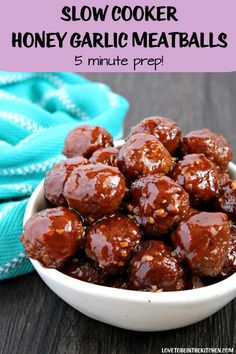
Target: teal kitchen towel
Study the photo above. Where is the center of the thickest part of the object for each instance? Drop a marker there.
(37, 110)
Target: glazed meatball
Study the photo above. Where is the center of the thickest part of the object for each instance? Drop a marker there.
(158, 204)
(202, 242)
(84, 269)
(52, 236)
(107, 156)
(95, 190)
(230, 262)
(110, 242)
(143, 155)
(213, 145)
(56, 178)
(226, 202)
(164, 130)
(154, 268)
(85, 139)
(198, 176)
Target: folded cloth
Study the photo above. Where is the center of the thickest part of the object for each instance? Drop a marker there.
(37, 110)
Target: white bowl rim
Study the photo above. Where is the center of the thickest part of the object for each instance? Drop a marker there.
(172, 297)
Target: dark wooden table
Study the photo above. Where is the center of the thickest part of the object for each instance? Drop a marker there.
(34, 320)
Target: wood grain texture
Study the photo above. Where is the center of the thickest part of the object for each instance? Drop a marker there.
(34, 320)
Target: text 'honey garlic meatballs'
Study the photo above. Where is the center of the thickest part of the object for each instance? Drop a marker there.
(164, 129)
(202, 241)
(85, 139)
(107, 156)
(84, 269)
(52, 236)
(214, 146)
(198, 176)
(158, 204)
(56, 178)
(110, 242)
(143, 155)
(154, 268)
(95, 190)
(226, 202)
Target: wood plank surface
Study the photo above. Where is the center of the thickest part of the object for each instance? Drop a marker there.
(34, 320)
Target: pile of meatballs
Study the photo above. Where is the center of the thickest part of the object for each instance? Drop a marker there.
(156, 214)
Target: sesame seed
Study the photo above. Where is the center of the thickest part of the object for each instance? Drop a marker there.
(233, 185)
(121, 264)
(123, 253)
(213, 231)
(154, 288)
(149, 258)
(159, 212)
(60, 231)
(124, 244)
(130, 207)
(151, 220)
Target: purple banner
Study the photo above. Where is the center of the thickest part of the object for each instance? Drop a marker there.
(118, 36)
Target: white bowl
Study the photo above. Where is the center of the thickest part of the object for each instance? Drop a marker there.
(139, 311)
